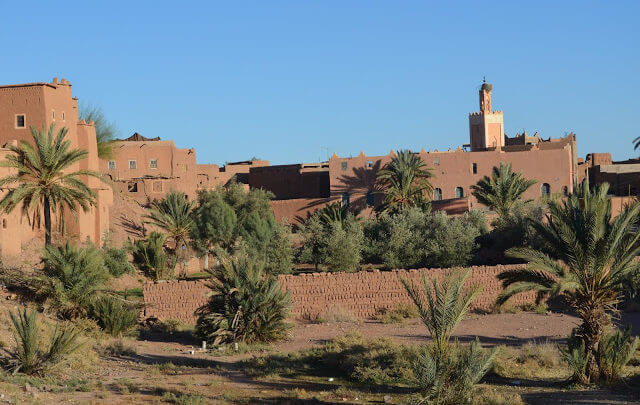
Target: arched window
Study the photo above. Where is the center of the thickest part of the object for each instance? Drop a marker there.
(371, 198)
(437, 194)
(459, 192)
(546, 189)
(345, 198)
(565, 191)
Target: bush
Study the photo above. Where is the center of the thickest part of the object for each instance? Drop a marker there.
(114, 316)
(614, 352)
(451, 241)
(151, 258)
(116, 260)
(335, 244)
(73, 278)
(28, 357)
(247, 305)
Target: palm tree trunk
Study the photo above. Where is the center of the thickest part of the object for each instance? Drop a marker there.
(47, 222)
(593, 320)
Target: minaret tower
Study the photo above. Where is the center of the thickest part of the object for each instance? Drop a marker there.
(486, 128)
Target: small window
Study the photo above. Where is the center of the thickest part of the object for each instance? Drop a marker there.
(344, 166)
(370, 164)
(112, 165)
(157, 186)
(133, 164)
(546, 189)
(20, 121)
(565, 191)
(437, 194)
(132, 187)
(436, 162)
(153, 163)
(474, 168)
(53, 114)
(459, 192)
(345, 199)
(63, 116)
(4, 223)
(371, 198)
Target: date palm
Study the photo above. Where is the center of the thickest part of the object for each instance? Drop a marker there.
(587, 258)
(173, 214)
(502, 190)
(405, 181)
(44, 180)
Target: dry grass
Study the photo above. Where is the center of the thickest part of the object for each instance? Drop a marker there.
(398, 314)
(337, 314)
(531, 360)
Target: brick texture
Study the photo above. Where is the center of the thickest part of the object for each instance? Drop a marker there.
(362, 294)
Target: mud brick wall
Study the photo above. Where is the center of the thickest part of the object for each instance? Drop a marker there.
(174, 299)
(365, 293)
(362, 294)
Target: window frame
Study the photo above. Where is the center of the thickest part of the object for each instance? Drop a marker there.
(135, 164)
(24, 121)
(112, 165)
(437, 194)
(461, 194)
(151, 163)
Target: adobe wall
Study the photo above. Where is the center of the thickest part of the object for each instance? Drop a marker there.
(363, 294)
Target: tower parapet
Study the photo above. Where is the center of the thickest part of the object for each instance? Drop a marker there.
(486, 127)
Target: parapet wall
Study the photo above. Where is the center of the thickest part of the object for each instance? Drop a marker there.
(362, 294)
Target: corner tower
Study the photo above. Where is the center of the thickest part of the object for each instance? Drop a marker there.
(486, 128)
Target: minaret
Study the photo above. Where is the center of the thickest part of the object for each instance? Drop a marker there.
(486, 128)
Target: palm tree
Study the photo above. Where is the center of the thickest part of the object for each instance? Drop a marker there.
(636, 143)
(587, 258)
(405, 181)
(45, 182)
(334, 212)
(105, 131)
(174, 215)
(502, 190)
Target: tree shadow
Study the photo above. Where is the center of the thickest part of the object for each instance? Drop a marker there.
(133, 228)
(358, 185)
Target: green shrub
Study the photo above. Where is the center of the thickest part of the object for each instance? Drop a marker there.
(247, 305)
(615, 350)
(73, 278)
(114, 316)
(28, 356)
(151, 257)
(451, 241)
(116, 260)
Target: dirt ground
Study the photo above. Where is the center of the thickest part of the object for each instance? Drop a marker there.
(174, 370)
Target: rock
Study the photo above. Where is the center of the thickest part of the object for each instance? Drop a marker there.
(387, 399)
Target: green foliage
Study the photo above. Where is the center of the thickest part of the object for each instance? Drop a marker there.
(442, 305)
(450, 378)
(215, 222)
(113, 315)
(73, 277)
(151, 258)
(615, 350)
(502, 190)
(173, 215)
(116, 260)
(587, 258)
(405, 182)
(247, 305)
(28, 357)
(45, 182)
(451, 241)
(336, 244)
(106, 131)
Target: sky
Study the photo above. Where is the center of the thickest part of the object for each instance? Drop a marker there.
(296, 81)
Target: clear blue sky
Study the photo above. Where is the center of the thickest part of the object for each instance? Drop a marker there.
(293, 81)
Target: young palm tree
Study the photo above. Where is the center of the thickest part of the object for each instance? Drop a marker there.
(174, 215)
(502, 190)
(105, 131)
(405, 181)
(587, 258)
(335, 212)
(43, 177)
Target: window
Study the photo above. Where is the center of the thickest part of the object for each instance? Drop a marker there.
(20, 121)
(474, 168)
(153, 163)
(53, 114)
(565, 191)
(546, 189)
(132, 187)
(436, 162)
(459, 192)
(370, 164)
(344, 166)
(437, 194)
(371, 198)
(63, 116)
(4, 223)
(345, 199)
(133, 164)
(112, 165)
